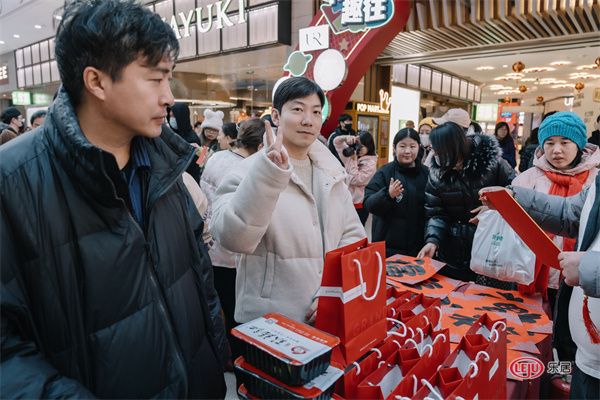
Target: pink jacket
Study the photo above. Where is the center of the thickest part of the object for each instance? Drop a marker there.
(359, 171)
(535, 178)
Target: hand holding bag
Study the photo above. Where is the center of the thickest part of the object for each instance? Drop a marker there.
(499, 253)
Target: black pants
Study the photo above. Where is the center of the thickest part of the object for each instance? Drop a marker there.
(363, 214)
(584, 386)
(225, 287)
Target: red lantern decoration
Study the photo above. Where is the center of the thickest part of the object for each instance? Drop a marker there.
(518, 67)
(579, 86)
(539, 99)
(522, 88)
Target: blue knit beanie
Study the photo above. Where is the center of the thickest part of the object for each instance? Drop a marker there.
(566, 124)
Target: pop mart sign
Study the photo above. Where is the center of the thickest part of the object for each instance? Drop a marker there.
(205, 17)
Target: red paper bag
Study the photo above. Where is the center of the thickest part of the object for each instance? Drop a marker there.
(477, 367)
(352, 298)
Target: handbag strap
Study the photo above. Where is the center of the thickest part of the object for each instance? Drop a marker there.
(362, 281)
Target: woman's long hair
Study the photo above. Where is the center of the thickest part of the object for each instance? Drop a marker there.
(366, 139)
(450, 144)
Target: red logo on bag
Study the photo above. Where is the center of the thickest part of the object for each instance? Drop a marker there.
(527, 367)
(298, 350)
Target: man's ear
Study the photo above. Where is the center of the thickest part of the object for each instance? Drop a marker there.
(96, 82)
(275, 116)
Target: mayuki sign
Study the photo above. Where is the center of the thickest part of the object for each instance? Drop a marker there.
(205, 16)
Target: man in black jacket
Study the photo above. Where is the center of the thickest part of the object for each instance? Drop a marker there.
(344, 128)
(106, 286)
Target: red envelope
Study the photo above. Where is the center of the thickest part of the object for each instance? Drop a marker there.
(534, 237)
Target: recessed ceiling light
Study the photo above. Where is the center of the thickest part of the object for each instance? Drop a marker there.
(538, 69)
(2, 42)
(37, 26)
(58, 17)
(505, 66)
(586, 67)
(16, 36)
(485, 68)
(560, 63)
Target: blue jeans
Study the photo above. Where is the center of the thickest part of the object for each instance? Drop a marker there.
(584, 386)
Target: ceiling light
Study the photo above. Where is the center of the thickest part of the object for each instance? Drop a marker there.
(16, 36)
(586, 67)
(560, 63)
(583, 75)
(534, 70)
(562, 86)
(505, 66)
(2, 42)
(528, 80)
(37, 26)
(485, 68)
(58, 17)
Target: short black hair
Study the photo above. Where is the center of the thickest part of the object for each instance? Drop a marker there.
(344, 117)
(36, 115)
(450, 144)
(230, 129)
(598, 118)
(500, 125)
(109, 35)
(294, 88)
(366, 139)
(476, 127)
(9, 113)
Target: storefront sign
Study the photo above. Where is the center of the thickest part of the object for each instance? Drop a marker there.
(371, 108)
(205, 16)
(314, 38)
(21, 98)
(41, 99)
(3, 74)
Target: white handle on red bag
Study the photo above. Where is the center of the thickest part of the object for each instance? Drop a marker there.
(362, 281)
(432, 390)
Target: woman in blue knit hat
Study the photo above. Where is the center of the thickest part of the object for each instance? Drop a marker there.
(563, 165)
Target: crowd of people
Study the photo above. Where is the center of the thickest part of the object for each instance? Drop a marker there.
(133, 241)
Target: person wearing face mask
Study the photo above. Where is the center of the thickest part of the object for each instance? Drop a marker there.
(595, 138)
(360, 160)
(14, 120)
(425, 127)
(563, 165)
(461, 166)
(344, 128)
(395, 196)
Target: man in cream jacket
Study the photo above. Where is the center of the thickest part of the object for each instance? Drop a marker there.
(283, 208)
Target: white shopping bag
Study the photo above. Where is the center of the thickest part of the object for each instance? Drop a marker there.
(499, 253)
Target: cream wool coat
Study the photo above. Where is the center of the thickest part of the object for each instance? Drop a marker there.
(282, 231)
(536, 179)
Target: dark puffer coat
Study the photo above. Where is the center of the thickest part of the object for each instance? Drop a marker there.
(451, 195)
(400, 224)
(92, 304)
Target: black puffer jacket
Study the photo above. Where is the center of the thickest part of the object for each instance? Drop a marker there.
(181, 112)
(400, 224)
(91, 304)
(451, 195)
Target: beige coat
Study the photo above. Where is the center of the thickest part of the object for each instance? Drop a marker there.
(535, 178)
(282, 230)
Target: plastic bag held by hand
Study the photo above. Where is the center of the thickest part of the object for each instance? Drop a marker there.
(499, 253)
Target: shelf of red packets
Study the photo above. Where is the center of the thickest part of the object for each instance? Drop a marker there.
(428, 335)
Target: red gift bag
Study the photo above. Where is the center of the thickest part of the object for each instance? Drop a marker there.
(419, 311)
(352, 297)
(476, 368)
